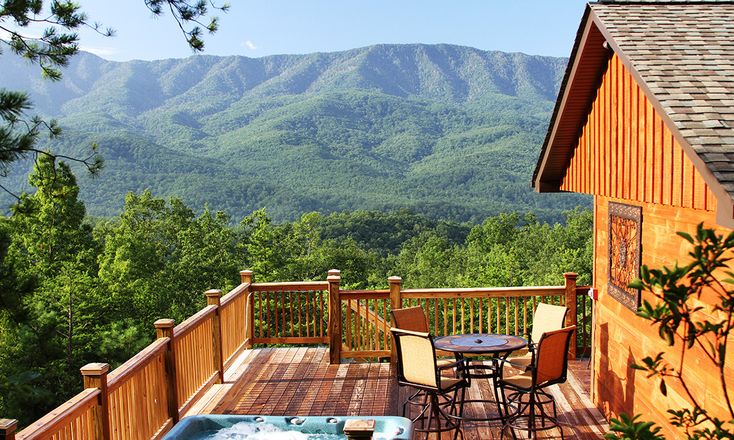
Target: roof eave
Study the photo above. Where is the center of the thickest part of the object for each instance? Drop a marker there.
(544, 181)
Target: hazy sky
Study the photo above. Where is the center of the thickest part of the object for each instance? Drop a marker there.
(267, 27)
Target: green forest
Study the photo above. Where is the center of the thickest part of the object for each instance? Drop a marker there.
(445, 131)
(75, 289)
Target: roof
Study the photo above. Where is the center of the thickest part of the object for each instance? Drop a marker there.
(681, 53)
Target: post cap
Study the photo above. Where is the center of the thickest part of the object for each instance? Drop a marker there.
(8, 425)
(213, 292)
(395, 280)
(164, 323)
(570, 275)
(95, 369)
(333, 278)
(336, 272)
(246, 272)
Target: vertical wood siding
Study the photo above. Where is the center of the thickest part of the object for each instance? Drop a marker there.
(625, 151)
(620, 337)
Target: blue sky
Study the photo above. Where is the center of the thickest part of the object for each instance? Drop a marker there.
(255, 29)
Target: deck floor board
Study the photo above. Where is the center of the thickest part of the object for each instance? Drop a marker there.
(300, 381)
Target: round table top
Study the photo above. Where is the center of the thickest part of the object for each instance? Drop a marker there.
(480, 343)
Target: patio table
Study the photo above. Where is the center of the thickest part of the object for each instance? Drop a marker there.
(496, 346)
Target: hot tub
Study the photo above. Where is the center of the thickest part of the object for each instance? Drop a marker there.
(207, 426)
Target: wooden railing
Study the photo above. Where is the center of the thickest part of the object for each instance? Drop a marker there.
(291, 313)
(365, 317)
(72, 420)
(135, 389)
(144, 397)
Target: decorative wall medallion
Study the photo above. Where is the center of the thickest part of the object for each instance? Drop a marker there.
(625, 252)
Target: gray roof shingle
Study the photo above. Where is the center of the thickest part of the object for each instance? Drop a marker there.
(684, 52)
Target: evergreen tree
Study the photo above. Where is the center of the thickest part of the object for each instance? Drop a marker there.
(56, 310)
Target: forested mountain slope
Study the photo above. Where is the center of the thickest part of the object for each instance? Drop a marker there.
(444, 130)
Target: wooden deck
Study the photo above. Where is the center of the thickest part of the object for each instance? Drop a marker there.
(300, 381)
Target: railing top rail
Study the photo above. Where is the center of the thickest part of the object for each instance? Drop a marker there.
(46, 425)
(234, 293)
(116, 378)
(364, 292)
(191, 322)
(291, 286)
(484, 291)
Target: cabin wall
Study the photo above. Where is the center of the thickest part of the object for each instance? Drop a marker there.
(625, 150)
(626, 154)
(620, 337)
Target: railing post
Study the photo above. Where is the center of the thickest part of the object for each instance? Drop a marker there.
(164, 329)
(335, 320)
(571, 318)
(213, 298)
(246, 278)
(7, 429)
(95, 376)
(396, 302)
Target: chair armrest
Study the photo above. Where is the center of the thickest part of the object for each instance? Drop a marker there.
(456, 364)
(409, 332)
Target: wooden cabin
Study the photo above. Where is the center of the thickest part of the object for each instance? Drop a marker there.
(644, 122)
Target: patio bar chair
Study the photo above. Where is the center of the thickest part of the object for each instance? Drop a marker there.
(414, 319)
(417, 367)
(526, 392)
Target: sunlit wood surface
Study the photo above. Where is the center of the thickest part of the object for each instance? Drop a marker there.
(300, 381)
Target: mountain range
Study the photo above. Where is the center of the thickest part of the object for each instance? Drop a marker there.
(443, 130)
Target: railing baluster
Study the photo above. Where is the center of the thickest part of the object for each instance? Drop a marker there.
(260, 308)
(349, 324)
(461, 304)
(385, 328)
(498, 330)
(445, 316)
(471, 315)
(507, 315)
(435, 316)
(314, 313)
(481, 311)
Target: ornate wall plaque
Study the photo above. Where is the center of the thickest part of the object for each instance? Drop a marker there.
(625, 252)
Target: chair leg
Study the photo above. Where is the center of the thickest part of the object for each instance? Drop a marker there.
(431, 407)
(461, 414)
(531, 417)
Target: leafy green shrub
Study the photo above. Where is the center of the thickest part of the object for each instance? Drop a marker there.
(683, 323)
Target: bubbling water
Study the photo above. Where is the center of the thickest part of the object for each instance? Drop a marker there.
(266, 431)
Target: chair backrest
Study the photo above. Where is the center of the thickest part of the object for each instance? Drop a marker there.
(551, 356)
(547, 318)
(416, 358)
(410, 318)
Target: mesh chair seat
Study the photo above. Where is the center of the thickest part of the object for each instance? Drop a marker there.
(522, 361)
(448, 383)
(523, 380)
